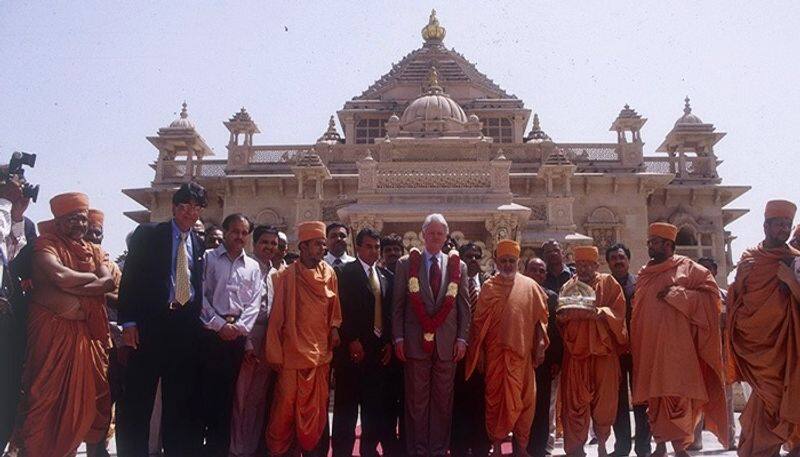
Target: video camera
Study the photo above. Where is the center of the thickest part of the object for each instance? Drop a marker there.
(14, 170)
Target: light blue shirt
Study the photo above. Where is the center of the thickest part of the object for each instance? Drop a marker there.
(176, 241)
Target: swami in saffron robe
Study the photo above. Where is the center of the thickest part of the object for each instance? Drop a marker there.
(764, 330)
(676, 347)
(590, 371)
(510, 315)
(305, 309)
(66, 398)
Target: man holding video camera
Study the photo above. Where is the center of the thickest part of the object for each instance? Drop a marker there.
(13, 204)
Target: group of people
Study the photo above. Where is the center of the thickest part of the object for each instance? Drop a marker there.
(240, 352)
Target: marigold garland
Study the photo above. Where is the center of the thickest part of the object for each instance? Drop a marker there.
(430, 323)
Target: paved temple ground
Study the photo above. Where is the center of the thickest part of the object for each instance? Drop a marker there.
(710, 446)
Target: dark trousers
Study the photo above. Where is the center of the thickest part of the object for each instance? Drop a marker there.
(469, 416)
(219, 368)
(428, 405)
(622, 426)
(12, 347)
(363, 386)
(395, 410)
(540, 429)
(168, 350)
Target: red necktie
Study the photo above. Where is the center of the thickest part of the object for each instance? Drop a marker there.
(435, 277)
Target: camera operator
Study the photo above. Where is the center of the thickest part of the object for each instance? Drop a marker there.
(12, 329)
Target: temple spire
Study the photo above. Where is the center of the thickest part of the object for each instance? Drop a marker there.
(687, 108)
(433, 32)
(433, 82)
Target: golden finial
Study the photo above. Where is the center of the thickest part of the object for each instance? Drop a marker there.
(433, 82)
(433, 32)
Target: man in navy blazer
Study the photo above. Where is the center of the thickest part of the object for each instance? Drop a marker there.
(160, 299)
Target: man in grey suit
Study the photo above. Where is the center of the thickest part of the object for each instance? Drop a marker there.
(429, 375)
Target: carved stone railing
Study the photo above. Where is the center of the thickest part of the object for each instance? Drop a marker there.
(684, 168)
(432, 176)
(280, 154)
(591, 152)
(174, 171)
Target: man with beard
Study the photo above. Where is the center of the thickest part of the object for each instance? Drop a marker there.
(509, 339)
(469, 425)
(764, 326)
(337, 245)
(675, 344)
(233, 287)
(539, 444)
(302, 334)
(593, 340)
(66, 399)
(253, 386)
(361, 362)
(618, 258)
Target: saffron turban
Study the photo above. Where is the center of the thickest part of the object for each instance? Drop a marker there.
(780, 208)
(46, 227)
(68, 203)
(96, 217)
(663, 230)
(507, 248)
(310, 230)
(585, 253)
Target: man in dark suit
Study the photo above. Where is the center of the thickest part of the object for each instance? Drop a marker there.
(361, 362)
(469, 408)
(160, 299)
(539, 444)
(430, 355)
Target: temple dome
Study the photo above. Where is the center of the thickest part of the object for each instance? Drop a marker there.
(434, 105)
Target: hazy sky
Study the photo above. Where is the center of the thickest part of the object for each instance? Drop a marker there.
(83, 83)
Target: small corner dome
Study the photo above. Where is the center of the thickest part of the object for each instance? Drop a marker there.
(182, 122)
(688, 117)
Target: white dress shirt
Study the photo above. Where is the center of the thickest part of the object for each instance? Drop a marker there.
(12, 235)
(231, 288)
(330, 259)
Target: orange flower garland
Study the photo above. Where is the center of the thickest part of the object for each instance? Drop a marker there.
(430, 323)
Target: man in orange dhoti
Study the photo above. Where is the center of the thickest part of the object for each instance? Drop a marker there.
(593, 340)
(66, 396)
(764, 326)
(676, 345)
(509, 337)
(302, 332)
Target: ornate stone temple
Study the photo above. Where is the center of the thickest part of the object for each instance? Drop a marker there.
(436, 135)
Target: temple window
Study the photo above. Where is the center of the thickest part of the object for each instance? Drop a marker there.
(369, 130)
(499, 129)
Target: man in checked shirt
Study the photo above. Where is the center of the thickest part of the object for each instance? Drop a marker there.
(232, 290)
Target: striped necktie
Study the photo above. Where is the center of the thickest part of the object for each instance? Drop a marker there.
(473, 293)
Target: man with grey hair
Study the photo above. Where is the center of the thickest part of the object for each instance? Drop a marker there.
(430, 326)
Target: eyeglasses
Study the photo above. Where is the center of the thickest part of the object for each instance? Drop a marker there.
(190, 207)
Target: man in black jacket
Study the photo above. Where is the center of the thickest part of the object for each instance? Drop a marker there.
(361, 362)
(160, 299)
(540, 444)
